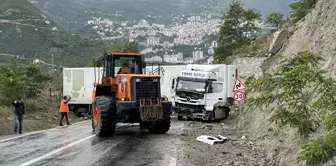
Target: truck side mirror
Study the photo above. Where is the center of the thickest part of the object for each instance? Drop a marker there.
(173, 83)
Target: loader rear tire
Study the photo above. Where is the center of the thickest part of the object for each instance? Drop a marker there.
(160, 127)
(104, 115)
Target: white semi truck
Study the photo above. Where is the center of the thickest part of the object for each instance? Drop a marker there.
(204, 92)
(78, 83)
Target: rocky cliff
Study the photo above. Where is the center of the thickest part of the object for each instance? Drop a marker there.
(317, 32)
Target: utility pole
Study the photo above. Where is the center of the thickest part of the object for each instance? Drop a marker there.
(52, 63)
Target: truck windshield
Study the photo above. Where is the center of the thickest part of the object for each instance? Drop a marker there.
(191, 85)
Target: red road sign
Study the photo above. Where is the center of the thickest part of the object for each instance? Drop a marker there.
(239, 96)
(238, 86)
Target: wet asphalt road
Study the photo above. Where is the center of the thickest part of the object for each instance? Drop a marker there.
(77, 145)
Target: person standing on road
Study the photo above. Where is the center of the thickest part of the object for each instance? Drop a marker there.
(19, 112)
(64, 109)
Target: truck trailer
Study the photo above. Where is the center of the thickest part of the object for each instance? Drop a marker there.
(204, 92)
(78, 83)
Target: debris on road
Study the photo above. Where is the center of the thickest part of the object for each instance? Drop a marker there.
(211, 140)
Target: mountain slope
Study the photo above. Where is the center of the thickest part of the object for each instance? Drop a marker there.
(73, 14)
(27, 33)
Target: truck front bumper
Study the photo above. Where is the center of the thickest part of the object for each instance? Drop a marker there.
(190, 113)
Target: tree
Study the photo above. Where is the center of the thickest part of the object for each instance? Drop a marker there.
(301, 8)
(275, 19)
(122, 47)
(20, 80)
(115, 47)
(238, 29)
(35, 79)
(12, 81)
(303, 97)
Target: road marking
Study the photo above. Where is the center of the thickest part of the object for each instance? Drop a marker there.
(38, 132)
(55, 151)
(172, 161)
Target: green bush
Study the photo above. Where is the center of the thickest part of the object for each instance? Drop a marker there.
(276, 19)
(301, 96)
(301, 8)
(318, 151)
(20, 80)
(31, 105)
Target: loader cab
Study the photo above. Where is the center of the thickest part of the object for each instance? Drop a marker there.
(116, 62)
(111, 63)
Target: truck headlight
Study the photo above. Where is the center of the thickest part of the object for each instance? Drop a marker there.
(155, 80)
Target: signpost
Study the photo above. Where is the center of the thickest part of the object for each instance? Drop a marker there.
(239, 86)
(239, 95)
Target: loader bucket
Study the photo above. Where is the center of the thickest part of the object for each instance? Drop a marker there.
(150, 112)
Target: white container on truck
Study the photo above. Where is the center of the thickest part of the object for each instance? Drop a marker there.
(204, 91)
(168, 73)
(78, 83)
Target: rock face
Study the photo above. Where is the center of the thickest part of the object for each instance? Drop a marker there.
(317, 32)
(249, 66)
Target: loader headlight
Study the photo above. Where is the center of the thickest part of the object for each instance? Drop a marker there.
(123, 79)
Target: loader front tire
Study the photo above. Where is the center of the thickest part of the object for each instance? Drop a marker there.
(104, 115)
(160, 127)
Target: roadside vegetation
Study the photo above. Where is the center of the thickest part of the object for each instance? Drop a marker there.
(297, 93)
(238, 36)
(238, 30)
(17, 79)
(300, 95)
(275, 19)
(301, 8)
(38, 86)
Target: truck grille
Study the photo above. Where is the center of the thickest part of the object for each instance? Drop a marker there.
(189, 106)
(146, 88)
(192, 95)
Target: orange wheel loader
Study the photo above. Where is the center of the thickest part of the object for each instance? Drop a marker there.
(128, 96)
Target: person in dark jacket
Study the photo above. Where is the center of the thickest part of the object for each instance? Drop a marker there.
(19, 112)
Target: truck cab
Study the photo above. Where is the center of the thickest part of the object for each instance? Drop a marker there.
(204, 92)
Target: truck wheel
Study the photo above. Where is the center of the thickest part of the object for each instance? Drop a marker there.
(211, 116)
(227, 113)
(160, 127)
(104, 116)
